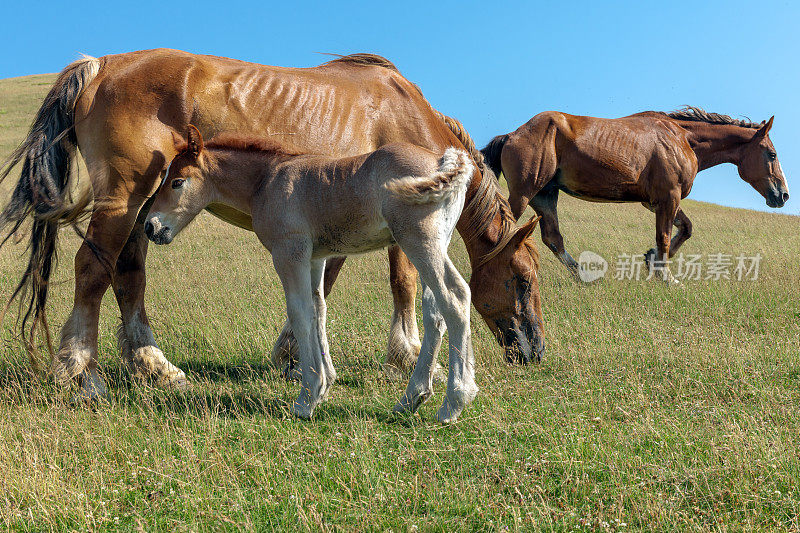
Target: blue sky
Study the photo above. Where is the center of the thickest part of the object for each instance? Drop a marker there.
(491, 64)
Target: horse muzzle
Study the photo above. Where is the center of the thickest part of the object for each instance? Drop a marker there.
(523, 343)
(777, 197)
(157, 232)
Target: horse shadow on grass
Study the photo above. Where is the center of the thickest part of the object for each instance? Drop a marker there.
(245, 404)
(209, 394)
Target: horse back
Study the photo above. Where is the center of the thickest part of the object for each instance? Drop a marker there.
(598, 158)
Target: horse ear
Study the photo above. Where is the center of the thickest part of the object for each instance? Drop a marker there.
(763, 130)
(177, 142)
(195, 140)
(524, 232)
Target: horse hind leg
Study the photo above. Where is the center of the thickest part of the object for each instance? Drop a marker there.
(140, 353)
(684, 226)
(77, 354)
(657, 259)
(112, 252)
(404, 346)
(450, 296)
(420, 384)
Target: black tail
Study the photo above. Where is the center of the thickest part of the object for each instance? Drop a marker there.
(491, 153)
(43, 189)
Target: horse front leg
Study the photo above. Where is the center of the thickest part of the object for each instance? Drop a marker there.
(284, 351)
(292, 260)
(143, 358)
(321, 316)
(666, 211)
(545, 204)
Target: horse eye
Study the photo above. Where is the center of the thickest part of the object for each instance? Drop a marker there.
(772, 156)
(178, 183)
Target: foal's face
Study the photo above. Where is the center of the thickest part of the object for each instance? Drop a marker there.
(505, 291)
(185, 192)
(760, 168)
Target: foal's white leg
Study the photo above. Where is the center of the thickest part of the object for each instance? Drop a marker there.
(321, 313)
(292, 261)
(452, 297)
(420, 386)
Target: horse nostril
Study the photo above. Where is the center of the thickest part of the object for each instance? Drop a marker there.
(148, 228)
(785, 197)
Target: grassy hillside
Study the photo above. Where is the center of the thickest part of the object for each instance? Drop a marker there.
(654, 407)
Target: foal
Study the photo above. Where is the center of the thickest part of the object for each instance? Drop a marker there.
(306, 208)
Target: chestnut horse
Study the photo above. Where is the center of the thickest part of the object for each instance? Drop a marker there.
(121, 111)
(649, 157)
(307, 208)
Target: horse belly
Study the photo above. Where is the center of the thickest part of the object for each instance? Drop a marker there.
(600, 185)
(231, 216)
(338, 240)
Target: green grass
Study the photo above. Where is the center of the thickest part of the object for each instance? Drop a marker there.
(654, 407)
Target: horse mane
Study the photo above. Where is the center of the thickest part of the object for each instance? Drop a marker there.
(696, 114)
(487, 203)
(364, 60)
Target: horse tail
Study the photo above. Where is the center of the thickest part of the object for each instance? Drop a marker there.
(492, 152)
(44, 189)
(451, 177)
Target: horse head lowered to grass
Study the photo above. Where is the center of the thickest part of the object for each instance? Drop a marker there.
(306, 208)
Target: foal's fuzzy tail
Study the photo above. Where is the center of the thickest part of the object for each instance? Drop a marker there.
(491, 153)
(453, 174)
(43, 189)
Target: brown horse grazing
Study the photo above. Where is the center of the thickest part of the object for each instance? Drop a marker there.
(121, 111)
(649, 157)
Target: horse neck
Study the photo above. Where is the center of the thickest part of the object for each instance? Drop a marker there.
(714, 144)
(237, 176)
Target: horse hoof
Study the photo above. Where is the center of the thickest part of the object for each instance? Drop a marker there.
(447, 415)
(175, 382)
(455, 402)
(180, 383)
(411, 404)
(649, 256)
(89, 396)
(302, 411)
(284, 349)
(93, 388)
